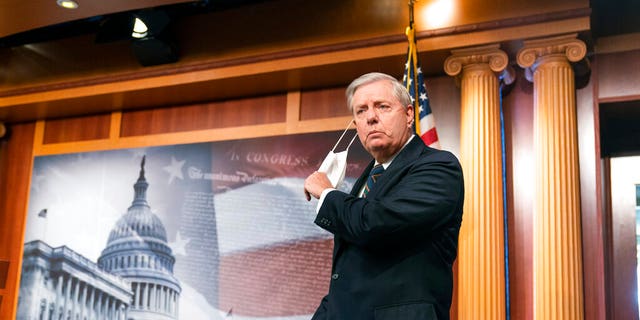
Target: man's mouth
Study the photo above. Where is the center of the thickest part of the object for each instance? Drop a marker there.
(373, 134)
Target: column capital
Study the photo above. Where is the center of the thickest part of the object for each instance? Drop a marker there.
(489, 54)
(568, 47)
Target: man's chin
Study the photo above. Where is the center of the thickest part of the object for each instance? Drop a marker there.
(374, 148)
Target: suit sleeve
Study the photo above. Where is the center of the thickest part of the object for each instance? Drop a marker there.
(321, 312)
(414, 201)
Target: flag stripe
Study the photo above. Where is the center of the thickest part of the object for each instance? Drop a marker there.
(430, 135)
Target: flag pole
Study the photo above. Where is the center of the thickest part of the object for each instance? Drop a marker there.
(411, 2)
(413, 58)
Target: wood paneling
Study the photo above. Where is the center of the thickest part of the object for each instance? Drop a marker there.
(591, 203)
(618, 75)
(291, 58)
(445, 97)
(4, 269)
(15, 172)
(324, 103)
(617, 79)
(518, 118)
(77, 129)
(225, 114)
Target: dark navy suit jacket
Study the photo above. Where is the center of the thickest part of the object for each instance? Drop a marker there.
(394, 251)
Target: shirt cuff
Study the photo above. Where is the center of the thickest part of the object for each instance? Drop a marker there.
(321, 199)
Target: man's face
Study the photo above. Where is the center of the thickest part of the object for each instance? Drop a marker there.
(381, 120)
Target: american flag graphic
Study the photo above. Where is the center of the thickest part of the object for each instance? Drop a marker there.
(413, 80)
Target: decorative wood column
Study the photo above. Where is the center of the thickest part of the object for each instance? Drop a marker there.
(557, 243)
(481, 267)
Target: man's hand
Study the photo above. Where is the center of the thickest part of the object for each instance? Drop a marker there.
(315, 184)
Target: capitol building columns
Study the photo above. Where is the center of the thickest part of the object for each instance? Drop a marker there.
(557, 256)
(481, 278)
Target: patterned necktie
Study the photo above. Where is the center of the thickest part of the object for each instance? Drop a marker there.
(373, 177)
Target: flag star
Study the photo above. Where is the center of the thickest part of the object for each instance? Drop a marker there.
(174, 169)
(419, 70)
(423, 96)
(179, 246)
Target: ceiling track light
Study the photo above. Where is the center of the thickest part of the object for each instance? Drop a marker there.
(140, 29)
(67, 4)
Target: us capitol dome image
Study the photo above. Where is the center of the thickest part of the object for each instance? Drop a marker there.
(138, 252)
(132, 280)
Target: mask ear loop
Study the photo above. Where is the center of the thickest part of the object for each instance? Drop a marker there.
(343, 133)
(352, 139)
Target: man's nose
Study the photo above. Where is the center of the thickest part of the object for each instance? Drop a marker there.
(372, 116)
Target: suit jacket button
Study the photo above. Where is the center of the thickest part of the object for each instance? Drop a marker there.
(335, 276)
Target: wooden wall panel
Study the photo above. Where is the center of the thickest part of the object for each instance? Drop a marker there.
(224, 114)
(444, 96)
(4, 271)
(618, 75)
(77, 129)
(591, 203)
(325, 103)
(518, 118)
(15, 172)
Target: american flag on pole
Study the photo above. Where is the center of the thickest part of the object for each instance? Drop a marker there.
(413, 80)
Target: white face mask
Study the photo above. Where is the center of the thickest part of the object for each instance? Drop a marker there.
(335, 163)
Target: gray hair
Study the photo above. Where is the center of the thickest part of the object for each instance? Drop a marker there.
(398, 89)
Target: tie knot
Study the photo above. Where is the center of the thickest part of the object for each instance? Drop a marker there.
(376, 170)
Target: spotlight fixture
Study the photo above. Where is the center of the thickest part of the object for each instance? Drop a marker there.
(148, 31)
(139, 29)
(152, 44)
(67, 4)
(149, 23)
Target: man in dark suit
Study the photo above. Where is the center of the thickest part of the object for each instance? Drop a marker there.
(395, 240)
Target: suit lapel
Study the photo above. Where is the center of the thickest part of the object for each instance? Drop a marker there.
(405, 157)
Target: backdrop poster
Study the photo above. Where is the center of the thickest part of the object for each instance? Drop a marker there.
(196, 231)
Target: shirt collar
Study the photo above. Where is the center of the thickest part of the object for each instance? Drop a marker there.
(386, 164)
